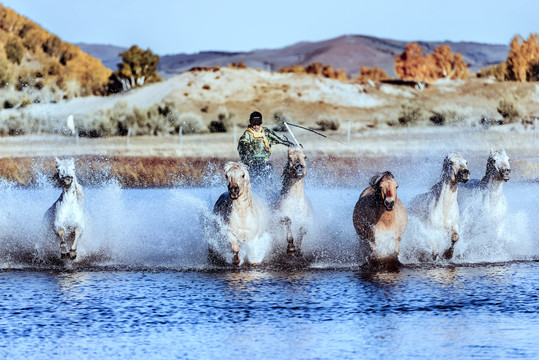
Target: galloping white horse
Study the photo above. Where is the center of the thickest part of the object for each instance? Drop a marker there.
(380, 219)
(294, 208)
(484, 199)
(438, 208)
(65, 218)
(243, 218)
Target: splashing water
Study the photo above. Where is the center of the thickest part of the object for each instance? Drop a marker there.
(171, 228)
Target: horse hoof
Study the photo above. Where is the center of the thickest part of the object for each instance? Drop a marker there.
(64, 255)
(72, 254)
(236, 259)
(291, 250)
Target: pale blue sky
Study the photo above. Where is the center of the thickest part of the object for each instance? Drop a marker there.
(169, 27)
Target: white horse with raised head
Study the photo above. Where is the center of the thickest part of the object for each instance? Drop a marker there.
(438, 208)
(242, 220)
(483, 200)
(65, 218)
(294, 208)
(380, 219)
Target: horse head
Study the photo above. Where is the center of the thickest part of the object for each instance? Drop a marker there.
(456, 168)
(385, 187)
(65, 172)
(296, 162)
(498, 165)
(238, 181)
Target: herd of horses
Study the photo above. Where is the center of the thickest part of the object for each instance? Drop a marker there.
(242, 221)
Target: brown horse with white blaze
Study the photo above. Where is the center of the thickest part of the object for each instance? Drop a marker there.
(380, 219)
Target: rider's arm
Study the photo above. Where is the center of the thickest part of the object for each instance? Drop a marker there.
(244, 147)
(274, 138)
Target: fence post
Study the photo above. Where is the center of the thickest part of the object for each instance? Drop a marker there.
(349, 131)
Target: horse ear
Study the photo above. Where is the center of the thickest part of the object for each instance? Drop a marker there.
(58, 161)
(492, 152)
(375, 180)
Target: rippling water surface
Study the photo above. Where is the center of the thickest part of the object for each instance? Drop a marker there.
(484, 312)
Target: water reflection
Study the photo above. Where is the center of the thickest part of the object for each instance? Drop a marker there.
(73, 285)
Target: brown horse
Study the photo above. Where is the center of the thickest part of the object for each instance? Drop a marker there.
(380, 219)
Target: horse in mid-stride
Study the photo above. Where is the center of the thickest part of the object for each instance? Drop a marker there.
(242, 219)
(65, 218)
(484, 200)
(293, 206)
(380, 219)
(438, 208)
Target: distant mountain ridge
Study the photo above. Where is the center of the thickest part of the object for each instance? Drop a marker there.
(349, 52)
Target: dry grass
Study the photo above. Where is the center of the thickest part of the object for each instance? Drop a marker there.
(158, 172)
(135, 172)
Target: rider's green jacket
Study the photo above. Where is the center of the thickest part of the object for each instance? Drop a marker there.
(254, 144)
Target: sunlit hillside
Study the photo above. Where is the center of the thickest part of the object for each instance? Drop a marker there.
(31, 59)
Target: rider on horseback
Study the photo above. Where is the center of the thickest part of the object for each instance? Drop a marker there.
(254, 148)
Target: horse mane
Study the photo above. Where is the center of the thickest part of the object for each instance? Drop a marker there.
(376, 179)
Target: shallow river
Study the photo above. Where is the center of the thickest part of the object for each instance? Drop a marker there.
(142, 286)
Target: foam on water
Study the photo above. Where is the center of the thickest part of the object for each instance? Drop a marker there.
(171, 228)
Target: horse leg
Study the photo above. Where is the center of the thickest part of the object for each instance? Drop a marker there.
(291, 249)
(235, 250)
(63, 245)
(299, 240)
(448, 254)
(73, 251)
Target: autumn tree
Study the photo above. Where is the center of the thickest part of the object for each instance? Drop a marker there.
(499, 72)
(412, 65)
(449, 65)
(297, 68)
(138, 68)
(371, 73)
(522, 57)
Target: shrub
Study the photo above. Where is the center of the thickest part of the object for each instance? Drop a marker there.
(14, 50)
(329, 123)
(371, 73)
(410, 114)
(6, 72)
(507, 108)
(190, 123)
(447, 117)
(487, 121)
(224, 121)
(498, 72)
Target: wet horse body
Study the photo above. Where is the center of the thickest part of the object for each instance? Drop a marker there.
(65, 218)
(484, 199)
(439, 208)
(294, 208)
(243, 218)
(380, 219)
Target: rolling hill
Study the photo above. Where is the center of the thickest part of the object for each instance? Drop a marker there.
(349, 52)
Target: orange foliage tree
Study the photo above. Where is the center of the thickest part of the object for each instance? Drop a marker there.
(522, 57)
(449, 65)
(412, 65)
(318, 69)
(371, 73)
